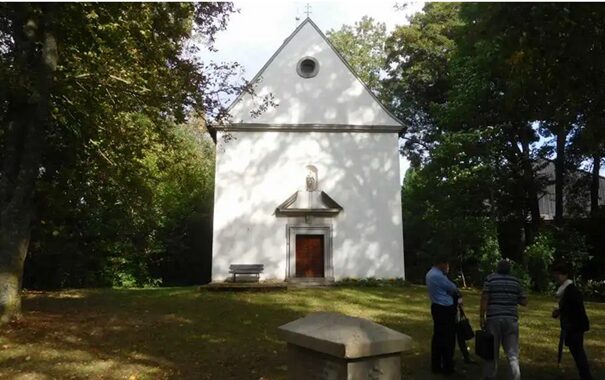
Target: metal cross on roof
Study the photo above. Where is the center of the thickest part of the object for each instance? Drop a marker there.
(308, 10)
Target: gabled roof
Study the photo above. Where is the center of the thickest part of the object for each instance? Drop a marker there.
(301, 203)
(334, 99)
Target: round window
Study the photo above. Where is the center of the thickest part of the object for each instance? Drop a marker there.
(307, 67)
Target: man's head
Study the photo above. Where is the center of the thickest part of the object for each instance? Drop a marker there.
(561, 273)
(442, 262)
(503, 267)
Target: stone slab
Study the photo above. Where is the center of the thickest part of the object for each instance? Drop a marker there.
(343, 336)
(305, 364)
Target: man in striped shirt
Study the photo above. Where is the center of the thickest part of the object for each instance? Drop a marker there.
(502, 293)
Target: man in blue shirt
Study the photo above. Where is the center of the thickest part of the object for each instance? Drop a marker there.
(441, 292)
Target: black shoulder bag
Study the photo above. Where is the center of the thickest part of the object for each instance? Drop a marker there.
(463, 326)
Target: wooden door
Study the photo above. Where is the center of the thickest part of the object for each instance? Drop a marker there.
(309, 256)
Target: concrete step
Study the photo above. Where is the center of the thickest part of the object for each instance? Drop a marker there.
(296, 283)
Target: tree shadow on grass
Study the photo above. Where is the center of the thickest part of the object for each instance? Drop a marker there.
(155, 334)
(182, 333)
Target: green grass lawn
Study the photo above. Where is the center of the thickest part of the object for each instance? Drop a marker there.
(184, 333)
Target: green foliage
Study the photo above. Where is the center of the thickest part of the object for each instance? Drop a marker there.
(488, 255)
(362, 46)
(125, 185)
(121, 278)
(468, 181)
(418, 60)
(572, 249)
(372, 282)
(592, 288)
(518, 270)
(135, 223)
(481, 86)
(539, 257)
(443, 217)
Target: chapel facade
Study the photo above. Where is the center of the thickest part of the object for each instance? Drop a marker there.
(310, 187)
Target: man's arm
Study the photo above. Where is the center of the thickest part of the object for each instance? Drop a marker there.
(523, 300)
(522, 297)
(449, 286)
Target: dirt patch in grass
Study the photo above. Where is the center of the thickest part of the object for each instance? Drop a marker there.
(184, 333)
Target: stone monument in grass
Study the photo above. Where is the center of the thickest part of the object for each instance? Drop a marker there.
(334, 346)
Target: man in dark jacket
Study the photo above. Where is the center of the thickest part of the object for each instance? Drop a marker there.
(574, 321)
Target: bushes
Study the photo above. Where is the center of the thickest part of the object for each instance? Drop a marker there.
(518, 270)
(539, 257)
(488, 255)
(572, 249)
(372, 282)
(142, 221)
(592, 288)
(566, 245)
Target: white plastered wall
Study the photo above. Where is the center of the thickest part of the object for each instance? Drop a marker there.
(256, 171)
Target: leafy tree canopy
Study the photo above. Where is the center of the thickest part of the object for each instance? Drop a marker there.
(362, 45)
(92, 98)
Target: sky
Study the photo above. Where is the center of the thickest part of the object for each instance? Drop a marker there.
(260, 27)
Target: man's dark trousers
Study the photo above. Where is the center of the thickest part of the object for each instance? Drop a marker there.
(575, 342)
(444, 338)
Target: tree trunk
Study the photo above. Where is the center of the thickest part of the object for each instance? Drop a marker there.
(464, 286)
(594, 186)
(13, 249)
(15, 215)
(560, 175)
(529, 179)
(28, 119)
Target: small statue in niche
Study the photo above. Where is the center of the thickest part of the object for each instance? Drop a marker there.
(311, 179)
(311, 183)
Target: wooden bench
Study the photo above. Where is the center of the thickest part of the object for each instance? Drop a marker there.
(255, 269)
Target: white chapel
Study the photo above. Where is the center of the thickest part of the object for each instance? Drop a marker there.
(310, 187)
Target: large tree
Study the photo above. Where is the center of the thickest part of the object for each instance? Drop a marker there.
(73, 77)
(503, 78)
(549, 59)
(362, 45)
(489, 88)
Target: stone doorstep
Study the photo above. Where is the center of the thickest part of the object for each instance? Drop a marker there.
(342, 336)
(299, 282)
(268, 285)
(245, 286)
